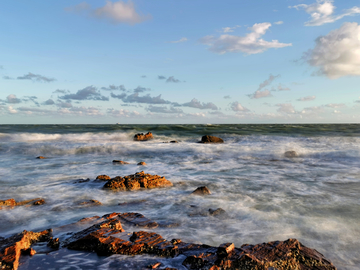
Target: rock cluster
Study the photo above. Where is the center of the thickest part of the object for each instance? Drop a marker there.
(12, 203)
(106, 236)
(211, 139)
(143, 137)
(137, 181)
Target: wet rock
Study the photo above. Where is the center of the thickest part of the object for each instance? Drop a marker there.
(143, 137)
(54, 243)
(137, 181)
(7, 203)
(291, 154)
(30, 202)
(218, 212)
(11, 248)
(201, 191)
(41, 157)
(142, 163)
(171, 142)
(154, 265)
(39, 202)
(211, 139)
(79, 181)
(90, 203)
(120, 162)
(103, 177)
(138, 220)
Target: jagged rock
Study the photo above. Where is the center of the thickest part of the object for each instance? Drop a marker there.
(137, 181)
(217, 212)
(41, 157)
(120, 162)
(54, 243)
(39, 202)
(103, 177)
(211, 139)
(82, 181)
(143, 137)
(12, 203)
(201, 191)
(291, 154)
(11, 248)
(137, 219)
(142, 163)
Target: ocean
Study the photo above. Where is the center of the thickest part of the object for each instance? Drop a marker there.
(314, 197)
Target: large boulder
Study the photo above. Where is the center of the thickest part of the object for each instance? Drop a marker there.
(211, 139)
(137, 181)
(143, 137)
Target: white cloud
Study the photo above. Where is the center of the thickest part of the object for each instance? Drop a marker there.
(116, 12)
(287, 108)
(229, 29)
(335, 105)
(338, 53)
(260, 94)
(237, 107)
(268, 81)
(308, 98)
(194, 103)
(180, 40)
(252, 43)
(122, 113)
(282, 88)
(279, 22)
(11, 110)
(163, 109)
(322, 11)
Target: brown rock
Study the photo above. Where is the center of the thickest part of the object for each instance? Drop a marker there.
(137, 181)
(142, 163)
(291, 154)
(9, 202)
(41, 157)
(90, 203)
(120, 162)
(137, 219)
(143, 137)
(30, 202)
(103, 177)
(39, 202)
(211, 139)
(11, 248)
(201, 191)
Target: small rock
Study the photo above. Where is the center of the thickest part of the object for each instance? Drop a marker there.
(82, 181)
(54, 243)
(41, 157)
(154, 266)
(225, 249)
(103, 177)
(142, 163)
(120, 162)
(143, 137)
(90, 203)
(217, 212)
(201, 191)
(291, 154)
(39, 202)
(211, 139)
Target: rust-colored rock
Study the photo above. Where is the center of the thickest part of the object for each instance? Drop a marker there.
(12, 203)
(103, 177)
(201, 191)
(143, 137)
(39, 202)
(291, 154)
(142, 163)
(120, 162)
(137, 181)
(137, 219)
(41, 157)
(11, 248)
(9, 203)
(211, 139)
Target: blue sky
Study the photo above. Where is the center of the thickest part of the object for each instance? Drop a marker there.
(141, 61)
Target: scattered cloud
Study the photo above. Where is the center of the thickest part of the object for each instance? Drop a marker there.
(114, 88)
(337, 54)
(321, 12)
(143, 76)
(194, 103)
(279, 22)
(172, 79)
(48, 102)
(229, 29)
(88, 93)
(62, 104)
(282, 88)
(115, 12)
(286, 108)
(260, 94)
(160, 77)
(144, 99)
(81, 111)
(308, 98)
(268, 81)
(163, 109)
(7, 78)
(12, 99)
(140, 89)
(180, 40)
(335, 105)
(36, 77)
(31, 98)
(11, 110)
(122, 113)
(61, 91)
(121, 96)
(237, 107)
(227, 97)
(252, 43)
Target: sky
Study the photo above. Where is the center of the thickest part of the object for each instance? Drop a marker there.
(177, 62)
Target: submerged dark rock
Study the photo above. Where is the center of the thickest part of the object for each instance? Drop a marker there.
(211, 139)
(142, 163)
(291, 154)
(201, 191)
(41, 157)
(143, 137)
(120, 162)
